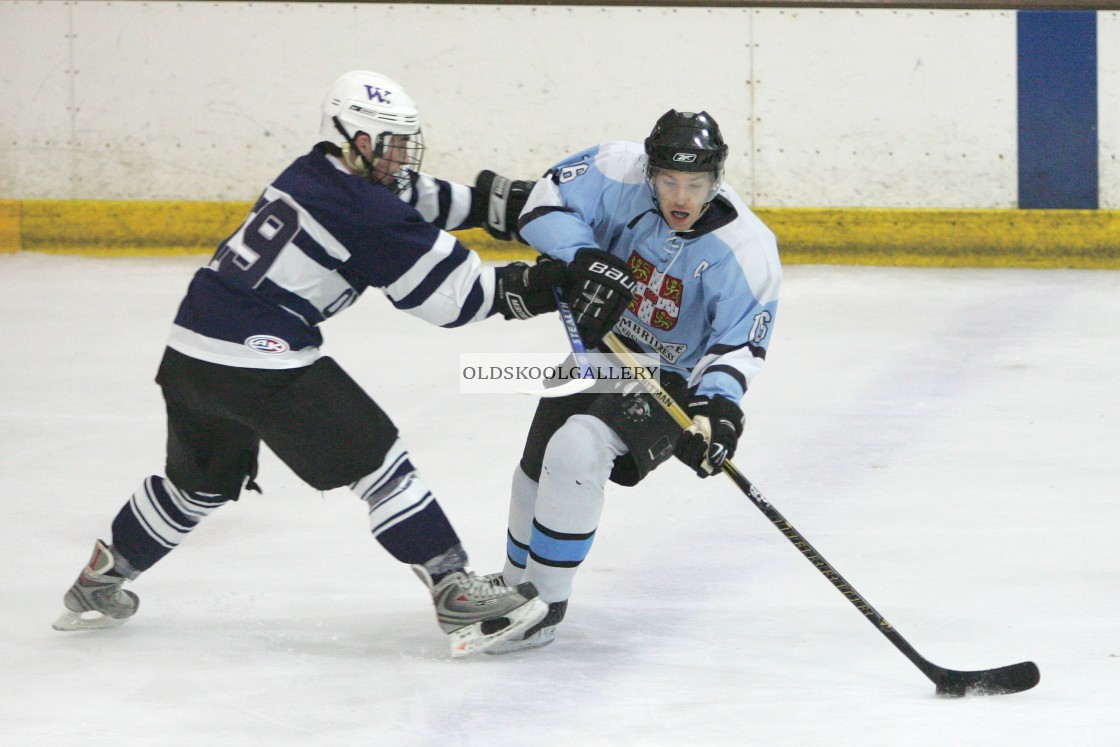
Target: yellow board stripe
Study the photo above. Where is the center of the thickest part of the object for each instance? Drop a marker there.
(10, 226)
(947, 238)
(867, 236)
(128, 227)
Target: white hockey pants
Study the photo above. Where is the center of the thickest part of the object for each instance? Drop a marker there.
(552, 524)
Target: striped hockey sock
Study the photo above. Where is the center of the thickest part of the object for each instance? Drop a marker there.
(157, 518)
(404, 515)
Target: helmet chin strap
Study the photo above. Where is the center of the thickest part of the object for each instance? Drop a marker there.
(356, 161)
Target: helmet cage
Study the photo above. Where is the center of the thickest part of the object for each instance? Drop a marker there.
(363, 102)
(407, 152)
(394, 160)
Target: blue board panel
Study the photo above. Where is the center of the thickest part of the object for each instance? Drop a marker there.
(1058, 109)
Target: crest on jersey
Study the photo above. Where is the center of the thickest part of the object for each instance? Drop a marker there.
(267, 344)
(657, 297)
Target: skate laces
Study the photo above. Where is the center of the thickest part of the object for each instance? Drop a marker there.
(482, 587)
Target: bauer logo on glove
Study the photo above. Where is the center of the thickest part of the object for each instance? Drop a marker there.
(601, 289)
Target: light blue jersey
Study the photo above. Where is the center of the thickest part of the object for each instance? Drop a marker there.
(706, 299)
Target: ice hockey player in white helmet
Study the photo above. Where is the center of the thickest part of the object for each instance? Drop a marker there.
(707, 277)
(243, 364)
(366, 102)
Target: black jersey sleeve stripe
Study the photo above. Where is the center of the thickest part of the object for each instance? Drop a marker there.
(756, 350)
(539, 212)
(434, 279)
(316, 251)
(470, 307)
(730, 371)
(444, 197)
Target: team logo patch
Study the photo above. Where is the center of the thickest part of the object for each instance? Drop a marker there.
(267, 344)
(637, 409)
(657, 298)
(376, 93)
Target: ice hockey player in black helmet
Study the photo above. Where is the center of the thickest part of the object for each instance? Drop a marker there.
(243, 365)
(707, 278)
(690, 143)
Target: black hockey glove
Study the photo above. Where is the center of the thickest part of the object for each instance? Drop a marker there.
(717, 424)
(501, 201)
(526, 290)
(600, 291)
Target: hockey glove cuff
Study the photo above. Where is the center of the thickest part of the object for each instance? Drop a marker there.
(717, 423)
(498, 202)
(523, 290)
(600, 291)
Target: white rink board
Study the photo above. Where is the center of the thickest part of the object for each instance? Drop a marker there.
(885, 108)
(36, 117)
(1108, 107)
(206, 101)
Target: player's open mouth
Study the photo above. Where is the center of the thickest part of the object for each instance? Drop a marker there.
(679, 214)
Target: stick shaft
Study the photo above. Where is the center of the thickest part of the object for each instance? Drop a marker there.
(934, 672)
(579, 350)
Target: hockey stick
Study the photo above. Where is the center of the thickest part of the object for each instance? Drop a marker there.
(586, 378)
(950, 682)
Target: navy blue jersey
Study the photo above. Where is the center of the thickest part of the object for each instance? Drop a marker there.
(315, 240)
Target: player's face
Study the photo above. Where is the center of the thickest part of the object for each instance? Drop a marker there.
(394, 155)
(682, 196)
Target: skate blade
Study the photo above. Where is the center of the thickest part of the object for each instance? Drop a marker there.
(540, 639)
(69, 621)
(470, 639)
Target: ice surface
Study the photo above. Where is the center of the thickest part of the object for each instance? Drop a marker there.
(947, 439)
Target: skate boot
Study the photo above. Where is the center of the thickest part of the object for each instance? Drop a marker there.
(477, 614)
(537, 636)
(98, 591)
(541, 634)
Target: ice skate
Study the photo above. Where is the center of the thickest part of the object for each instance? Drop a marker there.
(537, 636)
(96, 600)
(477, 614)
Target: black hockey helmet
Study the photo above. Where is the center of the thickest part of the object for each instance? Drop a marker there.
(686, 141)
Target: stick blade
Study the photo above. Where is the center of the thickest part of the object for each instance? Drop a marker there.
(1000, 681)
(575, 386)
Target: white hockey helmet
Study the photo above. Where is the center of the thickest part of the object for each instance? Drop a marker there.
(365, 102)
